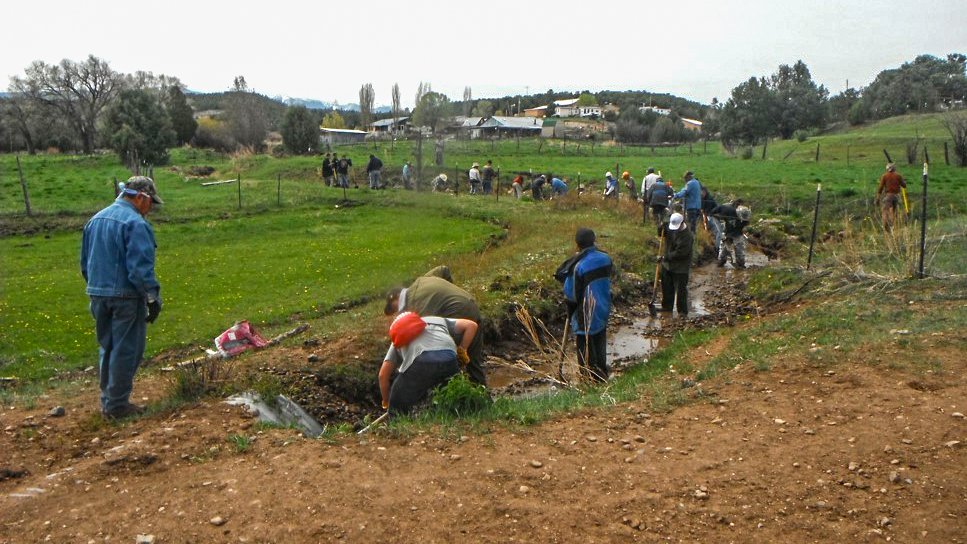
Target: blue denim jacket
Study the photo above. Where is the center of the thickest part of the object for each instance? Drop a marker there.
(692, 193)
(117, 254)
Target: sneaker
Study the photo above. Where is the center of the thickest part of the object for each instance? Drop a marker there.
(123, 411)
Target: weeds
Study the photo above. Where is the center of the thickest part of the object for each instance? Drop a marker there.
(459, 397)
(241, 443)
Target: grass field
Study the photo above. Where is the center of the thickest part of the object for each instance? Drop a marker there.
(291, 251)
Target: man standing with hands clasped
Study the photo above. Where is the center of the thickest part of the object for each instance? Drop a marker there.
(117, 262)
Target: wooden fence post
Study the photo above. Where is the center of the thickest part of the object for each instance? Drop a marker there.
(23, 187)
(278, 188)
(817, 151)
(946, 155)
(238, 183)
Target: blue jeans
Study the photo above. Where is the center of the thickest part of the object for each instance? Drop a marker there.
(121, 329)
(374, 181)
(430, 369)
(716, 229)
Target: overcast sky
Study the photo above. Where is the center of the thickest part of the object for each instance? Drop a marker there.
(327, 50)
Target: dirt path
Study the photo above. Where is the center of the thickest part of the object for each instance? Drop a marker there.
(801, 453)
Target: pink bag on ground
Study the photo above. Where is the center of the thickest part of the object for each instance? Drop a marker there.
(239, 337)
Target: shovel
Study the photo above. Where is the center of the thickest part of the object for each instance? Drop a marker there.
(378, 420)
(652, 310)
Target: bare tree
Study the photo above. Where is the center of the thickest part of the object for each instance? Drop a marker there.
(78, 91)
(956, 124)
(367, 98)
(467, 101)
(421, 90)
(396, 106)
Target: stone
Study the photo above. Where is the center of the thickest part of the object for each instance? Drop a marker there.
(853, 465)
(885, 522)
(524, 489)
(217, 521)
(952, 443)
(312, 358)
(536, 464)
(144, 539)
(57, 411)
(895, 477)
(455, 457)
(700, 495)
(639, 438)
(591, 438)
(957, 415)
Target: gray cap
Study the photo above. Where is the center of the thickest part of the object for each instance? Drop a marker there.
(142, 184)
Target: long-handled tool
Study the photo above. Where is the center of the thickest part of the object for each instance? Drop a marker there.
(560, 364)
(906, 205)
(379, 420)
(652, 310)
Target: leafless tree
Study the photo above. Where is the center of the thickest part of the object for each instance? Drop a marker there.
(78, 91)
(956, 124)
(396, 106)
(467, 101)
(367, 98)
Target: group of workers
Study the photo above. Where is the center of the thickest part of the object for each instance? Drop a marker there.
(435, 332)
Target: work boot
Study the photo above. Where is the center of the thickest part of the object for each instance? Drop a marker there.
(721, 263)
(123, 411)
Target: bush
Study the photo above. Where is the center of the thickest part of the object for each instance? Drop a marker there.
(214, 134)
(460, 397)
(801, 135)
(747, 153)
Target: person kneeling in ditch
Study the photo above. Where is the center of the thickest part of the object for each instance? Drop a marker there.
(426, 355)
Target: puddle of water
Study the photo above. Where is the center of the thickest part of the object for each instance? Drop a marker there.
(632, 341)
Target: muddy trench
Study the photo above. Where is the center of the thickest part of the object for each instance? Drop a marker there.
(346, 393)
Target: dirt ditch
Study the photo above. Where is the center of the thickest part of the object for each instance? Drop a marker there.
(346, 392)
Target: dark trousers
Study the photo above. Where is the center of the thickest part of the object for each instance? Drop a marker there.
(658, 212)
(692, 216)
(593, 355)
(674, 286)
(430, 369)
(121, 329)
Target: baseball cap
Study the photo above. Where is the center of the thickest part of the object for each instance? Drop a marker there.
(142, 184)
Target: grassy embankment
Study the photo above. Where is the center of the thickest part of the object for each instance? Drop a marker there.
(285, 246)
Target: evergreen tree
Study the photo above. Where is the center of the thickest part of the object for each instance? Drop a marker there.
(300, 132)
(181, 115)
(139, 128)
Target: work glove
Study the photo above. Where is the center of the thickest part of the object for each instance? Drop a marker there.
(154, 309)
(462, 356)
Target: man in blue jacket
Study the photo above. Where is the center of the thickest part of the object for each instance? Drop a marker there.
(587, 288)
(692, 194)
(117, 262)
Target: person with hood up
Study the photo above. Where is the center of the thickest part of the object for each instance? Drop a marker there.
(587, 289)
(611, 186)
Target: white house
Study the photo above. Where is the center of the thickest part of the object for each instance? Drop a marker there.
(659, 111)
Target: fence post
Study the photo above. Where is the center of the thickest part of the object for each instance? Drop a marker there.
(23, 187)
(923, 213)
(812, 238)
(497, 192)
(456, 180)
(278, 188)
(238, 183)
(817, 151)
(847, 155)
(117, 187)
(946, 155)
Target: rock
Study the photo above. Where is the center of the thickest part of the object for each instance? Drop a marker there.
(591, 438)
(700, 495)
(639, 438)
(907, 441)
(455, 457)
(809, 432)
(144, 539)
(778, 421)
(57, 411)
(952, 443)
(536, 464)
(957, 415)
(217, 521)
(524, 489)
(885, 522)
(853, 465)
(895, 477)
(312, 358)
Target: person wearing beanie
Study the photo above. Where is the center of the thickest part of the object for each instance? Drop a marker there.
(587, 289)
(675, 265)
(425, 352)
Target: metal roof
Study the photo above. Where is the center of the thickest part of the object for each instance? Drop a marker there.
(566, 102)
(526, 123)
(386, 122)
(344, 131)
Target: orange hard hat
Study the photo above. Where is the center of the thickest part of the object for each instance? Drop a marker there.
(625, 175)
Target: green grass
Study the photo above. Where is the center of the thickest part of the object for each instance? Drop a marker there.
(263, 268)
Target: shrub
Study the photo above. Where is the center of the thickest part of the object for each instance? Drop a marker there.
(801, 135)
(747, 153)
(460, 397)
(214, 134)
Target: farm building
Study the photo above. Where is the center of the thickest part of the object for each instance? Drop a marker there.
(571, 108)
(340, 136)
(692, 124)
(389, 125)
(505, 126)
(659, 111)
(539, 111)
